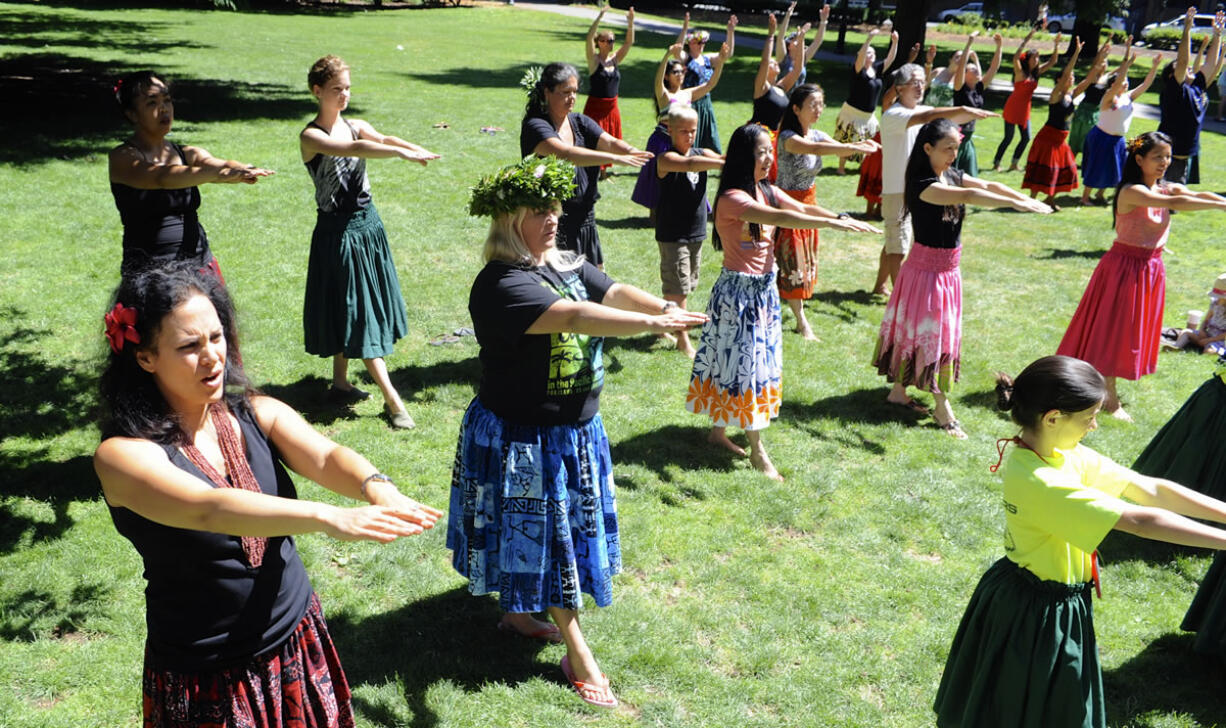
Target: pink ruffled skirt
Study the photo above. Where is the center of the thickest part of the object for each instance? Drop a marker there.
(921, 335)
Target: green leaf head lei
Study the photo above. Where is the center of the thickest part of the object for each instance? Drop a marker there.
(535, 183)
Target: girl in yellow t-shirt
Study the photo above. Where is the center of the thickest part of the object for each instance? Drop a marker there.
(1024, 654)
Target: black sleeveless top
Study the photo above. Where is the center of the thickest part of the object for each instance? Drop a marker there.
(1060, 113)
(863, 92)
(160, 225)
(681, 215)
(604, 84)
(768, 108)
(936, 226)
(971, 96)
(204, 606)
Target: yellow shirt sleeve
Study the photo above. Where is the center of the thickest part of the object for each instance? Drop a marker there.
(1057, 512)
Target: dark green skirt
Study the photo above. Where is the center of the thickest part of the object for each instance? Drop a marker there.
(1084, 119)
(353, 303)
(1207, 614)
(1188, 449)
(1024, 656)
(967, 159)
(708, 131)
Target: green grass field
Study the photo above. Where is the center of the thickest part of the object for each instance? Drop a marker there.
(829, 600)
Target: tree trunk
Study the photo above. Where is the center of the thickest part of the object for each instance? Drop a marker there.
(911, 22)
(1088, 31)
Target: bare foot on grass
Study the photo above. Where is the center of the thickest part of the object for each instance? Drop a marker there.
(762, 461)
(718, 436)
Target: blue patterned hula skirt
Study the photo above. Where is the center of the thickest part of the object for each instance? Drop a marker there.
(533, 514)
(738, 370)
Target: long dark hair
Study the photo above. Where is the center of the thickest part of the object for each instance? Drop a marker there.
(738, 172)
(552, 76)
(1131, 174)
(1051, 383)
(132, 405)
(919, 166)
(799, 95)
(133, 85)
(1024, 60)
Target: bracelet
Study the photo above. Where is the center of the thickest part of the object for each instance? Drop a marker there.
(844, 216)
(373, 476)
(668, 306)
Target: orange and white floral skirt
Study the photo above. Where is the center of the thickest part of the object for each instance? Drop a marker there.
(738, 370)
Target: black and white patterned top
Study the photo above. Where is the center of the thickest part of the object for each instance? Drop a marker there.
(340, 182)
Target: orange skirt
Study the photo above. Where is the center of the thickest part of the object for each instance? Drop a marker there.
(796, 254)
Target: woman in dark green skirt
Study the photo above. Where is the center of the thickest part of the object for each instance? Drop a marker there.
(1189, 449)
(353, 307)
(1024, 654)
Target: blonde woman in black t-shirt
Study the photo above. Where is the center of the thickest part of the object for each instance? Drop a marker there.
(533, 513)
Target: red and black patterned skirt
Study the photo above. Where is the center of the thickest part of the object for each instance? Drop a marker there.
(1051, 166)
(297, 685)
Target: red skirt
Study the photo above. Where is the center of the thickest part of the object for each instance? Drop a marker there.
(605, 113)
(1051, 166)
(796, 254)
(870, 176)
(1118, 324)
(297, 685)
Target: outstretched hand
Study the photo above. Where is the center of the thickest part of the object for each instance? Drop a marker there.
(1027, 204)
(373, 523)
(852, 225)
(824, 14)
(633, 159)
(678, 319)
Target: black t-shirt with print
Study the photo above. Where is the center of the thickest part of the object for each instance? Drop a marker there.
(536, 379)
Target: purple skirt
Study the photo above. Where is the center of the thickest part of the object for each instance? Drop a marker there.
(647, 188)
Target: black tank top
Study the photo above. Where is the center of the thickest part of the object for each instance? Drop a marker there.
(864, 92)
(160, 225)
(604, 84)
(204, 606)
(1060, 113)
(769, 107)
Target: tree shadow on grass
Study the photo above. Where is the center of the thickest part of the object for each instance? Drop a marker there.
(41, 399)
(672, 451)
(414, 378)
(1166, 677)
(309, 397)
(63, 106)
(847, 305)
(46, 30)
(36, 613)
(858, 407)
(450, 637)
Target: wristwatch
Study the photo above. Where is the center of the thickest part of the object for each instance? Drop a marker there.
(668, 305)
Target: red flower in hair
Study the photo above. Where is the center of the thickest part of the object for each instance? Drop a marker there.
(121, 325)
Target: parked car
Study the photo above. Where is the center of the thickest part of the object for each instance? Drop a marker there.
(949, 16)
(1200, 21)
(1064, 23)
(1202, 26)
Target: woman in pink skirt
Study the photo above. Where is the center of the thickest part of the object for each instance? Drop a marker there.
(921, 334)
(1118, 324)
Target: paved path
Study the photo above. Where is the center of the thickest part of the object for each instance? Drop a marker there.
(1145, 111)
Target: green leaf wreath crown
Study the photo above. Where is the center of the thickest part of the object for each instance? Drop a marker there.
(535, 183)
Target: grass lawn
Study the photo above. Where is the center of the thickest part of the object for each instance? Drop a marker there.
(830, 600)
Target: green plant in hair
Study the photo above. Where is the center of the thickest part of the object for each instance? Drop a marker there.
(535, 183)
